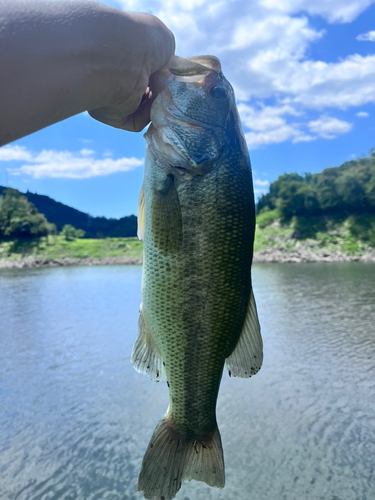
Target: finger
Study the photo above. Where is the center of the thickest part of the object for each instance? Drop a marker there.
(119, 117)
(140, 118)
(158, 81)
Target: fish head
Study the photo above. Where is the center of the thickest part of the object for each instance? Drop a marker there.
(190, 114)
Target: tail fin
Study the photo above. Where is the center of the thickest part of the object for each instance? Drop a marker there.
(171, 459)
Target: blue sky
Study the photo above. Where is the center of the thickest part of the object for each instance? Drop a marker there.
(304, 77)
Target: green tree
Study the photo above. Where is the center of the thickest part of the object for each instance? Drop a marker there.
(370, 193)
(70, 233)
(20, 219)
(347, 189)
(270, 199)
(351, 191)
(297, 198)
(328, 197)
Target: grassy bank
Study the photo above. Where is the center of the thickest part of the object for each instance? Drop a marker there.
(351, 237)
(300, 239)
(55, 248)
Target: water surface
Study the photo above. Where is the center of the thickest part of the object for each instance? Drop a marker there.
(75, 418)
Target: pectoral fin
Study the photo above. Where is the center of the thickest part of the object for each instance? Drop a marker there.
(141, 214)
(166, 220)
(146, 357)
(247, 357)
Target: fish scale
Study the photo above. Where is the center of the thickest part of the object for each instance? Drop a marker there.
(197, 302)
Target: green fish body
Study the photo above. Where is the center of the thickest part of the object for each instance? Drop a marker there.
(197, 220)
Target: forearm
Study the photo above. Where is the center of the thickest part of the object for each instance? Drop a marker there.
(60, 58)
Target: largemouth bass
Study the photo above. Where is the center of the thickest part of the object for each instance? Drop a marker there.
(197, 219)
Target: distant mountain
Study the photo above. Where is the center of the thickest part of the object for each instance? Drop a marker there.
(95, 227)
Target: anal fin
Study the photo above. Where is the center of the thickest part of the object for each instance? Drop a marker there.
(146, 357)
(247, 357)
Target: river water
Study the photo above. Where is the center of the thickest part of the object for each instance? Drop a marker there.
(75, 418)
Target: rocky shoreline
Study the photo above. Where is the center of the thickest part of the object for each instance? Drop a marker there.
(34, 262)
(298, 256)
(278, 255)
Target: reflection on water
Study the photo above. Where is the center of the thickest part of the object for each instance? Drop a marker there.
(75, 418)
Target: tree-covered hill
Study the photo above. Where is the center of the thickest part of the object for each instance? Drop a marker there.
(328, 216)
(59, 214)
(20, 219)
(345, 190)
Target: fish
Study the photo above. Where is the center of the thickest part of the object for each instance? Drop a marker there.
(196, 216)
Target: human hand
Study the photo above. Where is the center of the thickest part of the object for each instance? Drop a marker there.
(61, 58)
(132, 111)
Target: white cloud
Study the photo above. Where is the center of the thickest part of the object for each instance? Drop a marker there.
(259, 192)
(362, 114)
(367, 37)
(268, 126)
(316, 84)
(276, 136)
(86, 152)
(14, 153)
(328, 127)
(343, 11)
(264, 118)
(258, 182)
(65, 164)
(262, 187)
(304, 138)
(263, 46)
(283, 29)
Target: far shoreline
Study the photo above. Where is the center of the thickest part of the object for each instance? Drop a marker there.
(272, 256)
(307, 256)
(31, 262)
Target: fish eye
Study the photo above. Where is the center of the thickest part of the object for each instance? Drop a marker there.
(218, 92)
